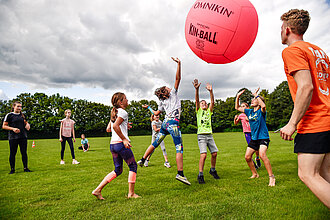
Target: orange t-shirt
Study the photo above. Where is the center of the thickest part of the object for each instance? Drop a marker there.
(302, 55)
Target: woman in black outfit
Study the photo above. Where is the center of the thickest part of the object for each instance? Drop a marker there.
(17, 126)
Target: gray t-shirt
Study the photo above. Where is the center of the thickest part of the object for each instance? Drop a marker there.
(158, 124)
(172, 105)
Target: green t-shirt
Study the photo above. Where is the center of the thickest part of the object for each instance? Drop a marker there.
(204, 121)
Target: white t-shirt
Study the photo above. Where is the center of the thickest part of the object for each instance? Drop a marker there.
(123, 126)
(172, 105)
(158, 124)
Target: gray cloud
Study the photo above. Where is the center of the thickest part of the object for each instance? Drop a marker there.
(127, 46)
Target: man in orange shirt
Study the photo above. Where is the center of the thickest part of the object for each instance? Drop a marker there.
(307, 69)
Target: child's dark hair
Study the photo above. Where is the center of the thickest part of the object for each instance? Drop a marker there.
(162, 93)
(151, 117)
(116, 98)
(13, 105)
(244, 103)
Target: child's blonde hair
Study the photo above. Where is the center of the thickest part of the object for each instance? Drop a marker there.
(66, 111)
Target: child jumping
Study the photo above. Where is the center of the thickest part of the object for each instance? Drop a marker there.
(155, 127)
(204, 132)
(119, 146)
(247, 131)
(259, 132)
(66, 135)
(170, 103)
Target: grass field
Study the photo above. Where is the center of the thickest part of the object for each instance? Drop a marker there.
(54, 191)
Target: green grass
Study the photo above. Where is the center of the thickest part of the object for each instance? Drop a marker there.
(54, 191)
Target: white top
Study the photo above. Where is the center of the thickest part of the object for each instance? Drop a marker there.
(158, 124)
(172, 105)
(123, 126)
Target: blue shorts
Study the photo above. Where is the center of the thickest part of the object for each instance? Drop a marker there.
(170, 126)
(247, 137)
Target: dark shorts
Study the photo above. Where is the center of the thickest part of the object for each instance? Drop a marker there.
(255, 144)
(313, 143)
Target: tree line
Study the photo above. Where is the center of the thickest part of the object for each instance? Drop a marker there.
(45, 112)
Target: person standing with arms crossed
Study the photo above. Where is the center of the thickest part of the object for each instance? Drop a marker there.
(307, 70)
(204, 132)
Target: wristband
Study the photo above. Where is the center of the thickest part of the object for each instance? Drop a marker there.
(150, 109)
(257, 96)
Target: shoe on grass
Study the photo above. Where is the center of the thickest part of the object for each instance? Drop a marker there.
(167, 164)
(214, 174)
(62, 162)
(140, 163)
(146, 163)
(200, 179)
(182, 179)
(27, 170)
(12, 172)
(75, 162)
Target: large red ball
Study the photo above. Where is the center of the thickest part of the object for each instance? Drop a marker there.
(221, 31)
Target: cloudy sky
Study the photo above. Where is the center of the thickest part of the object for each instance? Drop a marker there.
(90, 49)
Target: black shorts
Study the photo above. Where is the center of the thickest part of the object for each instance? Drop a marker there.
(255, 144)
(313, 143)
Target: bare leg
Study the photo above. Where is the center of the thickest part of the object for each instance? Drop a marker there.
(107, 179)
(165, 158)
(179, 161)
(97, 191)
(202, 162)
(257, 153)
(325, 168)
(309, 166)
(214, 159)
(248, 157)
(264, 158)
(131, 193)
(149, 150)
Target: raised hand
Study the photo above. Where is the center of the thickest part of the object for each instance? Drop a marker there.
(145, 106)
(196, 84)
(176, 59)
(256, 92)
(241, 92)
(208, 87)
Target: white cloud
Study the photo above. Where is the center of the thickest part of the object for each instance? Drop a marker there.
(127, 46)
(3, 96)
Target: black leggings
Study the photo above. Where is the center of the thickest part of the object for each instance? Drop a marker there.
(13, 144)
(69, 140)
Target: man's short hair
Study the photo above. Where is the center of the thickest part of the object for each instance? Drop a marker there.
(297, 20)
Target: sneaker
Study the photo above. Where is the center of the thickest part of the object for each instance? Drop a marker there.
(62, 162)
(182, 179)
(146, 163)
(215, 174)
(255, 165)
(258, 163)
(200, 179)
(167, 164)
(27, 170)
(11, 172)
(140, 163)
(75, 162)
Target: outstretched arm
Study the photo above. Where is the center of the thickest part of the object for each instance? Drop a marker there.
(237, 107)
(178, 73)
(196, 85)
(261, 103)
(209, 87)
(301, 104)
(151, 110)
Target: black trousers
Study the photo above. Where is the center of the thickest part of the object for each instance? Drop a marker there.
(13, 144)
(69, 140)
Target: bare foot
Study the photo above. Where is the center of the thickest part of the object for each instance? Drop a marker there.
(271, 180)
(134, 196)
(254, 176)
(98, 195)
